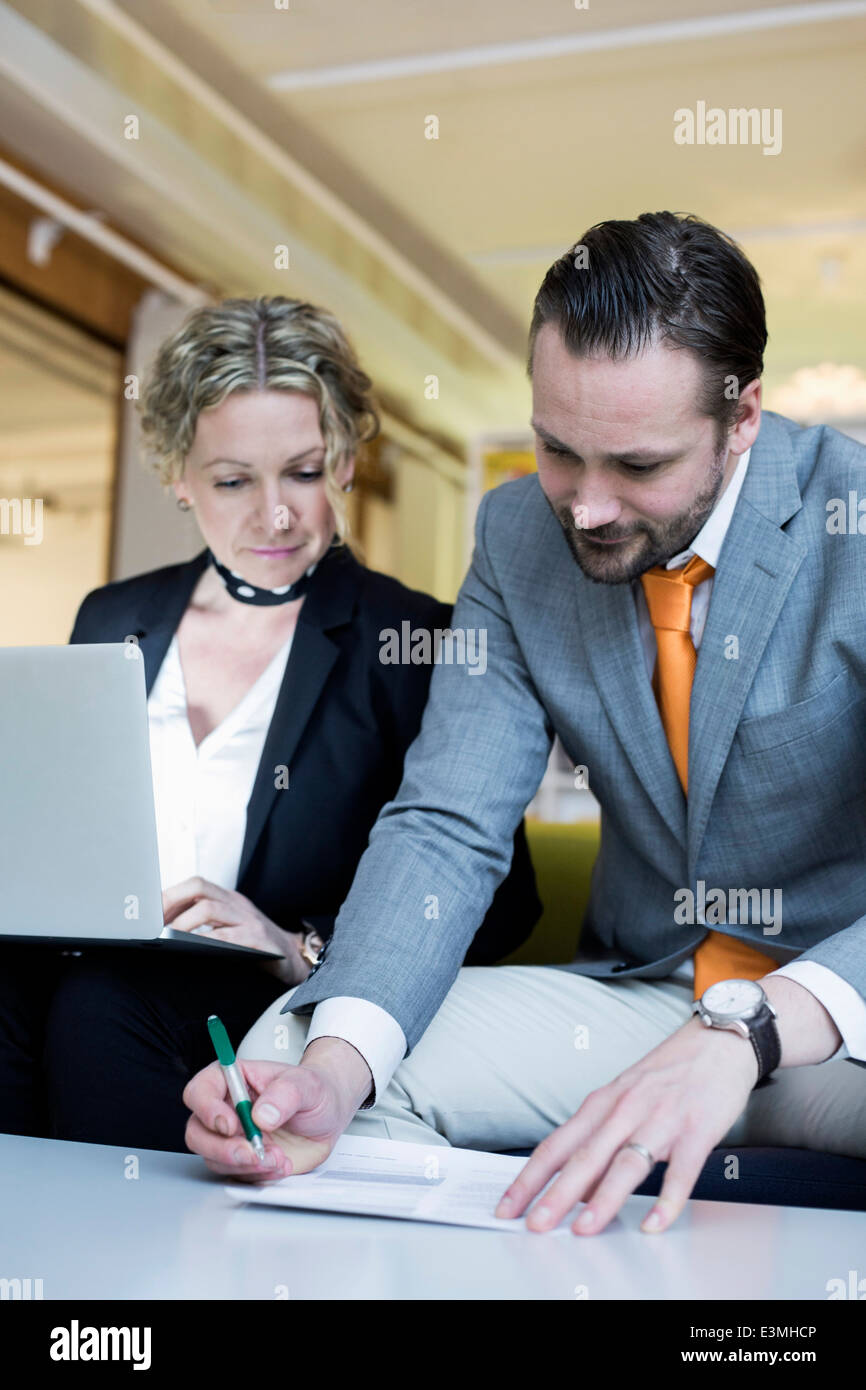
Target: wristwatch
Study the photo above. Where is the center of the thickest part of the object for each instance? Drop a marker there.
(742, 1007)
(311, 946)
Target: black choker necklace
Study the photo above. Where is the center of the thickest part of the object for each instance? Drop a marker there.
(244, 592)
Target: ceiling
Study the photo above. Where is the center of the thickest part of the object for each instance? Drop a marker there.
(306, 127)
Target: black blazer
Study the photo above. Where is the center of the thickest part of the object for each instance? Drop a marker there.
(342, 724)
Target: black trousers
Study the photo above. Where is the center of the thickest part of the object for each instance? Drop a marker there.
(99, 1047)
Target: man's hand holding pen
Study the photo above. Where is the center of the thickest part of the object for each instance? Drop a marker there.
(301, 1111)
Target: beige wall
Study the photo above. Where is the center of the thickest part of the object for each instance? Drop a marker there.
(43, 585)
(429, 522)
(149, 531)
(57, 443)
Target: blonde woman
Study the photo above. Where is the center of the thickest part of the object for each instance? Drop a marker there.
(276, 732)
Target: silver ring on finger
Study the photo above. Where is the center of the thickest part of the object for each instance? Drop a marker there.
(641, 1149)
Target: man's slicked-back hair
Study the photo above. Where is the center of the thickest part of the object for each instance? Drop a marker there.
(663, 277)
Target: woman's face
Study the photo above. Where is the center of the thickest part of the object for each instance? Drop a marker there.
(255, 478)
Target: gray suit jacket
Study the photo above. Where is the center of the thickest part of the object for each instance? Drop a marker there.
(777, 748)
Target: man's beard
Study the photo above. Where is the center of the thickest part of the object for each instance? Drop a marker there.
(650, 545)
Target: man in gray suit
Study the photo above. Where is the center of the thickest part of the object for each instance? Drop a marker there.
(674, 595)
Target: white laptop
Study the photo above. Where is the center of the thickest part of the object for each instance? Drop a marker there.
(79, 861)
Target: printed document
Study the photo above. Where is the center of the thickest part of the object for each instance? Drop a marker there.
(387, 1177)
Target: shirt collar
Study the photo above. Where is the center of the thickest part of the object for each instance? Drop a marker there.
(708, 542)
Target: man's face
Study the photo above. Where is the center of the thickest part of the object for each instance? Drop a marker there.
(642, 469)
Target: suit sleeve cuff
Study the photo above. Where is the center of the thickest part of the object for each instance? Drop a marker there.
(371, 1030)
(844, 1005)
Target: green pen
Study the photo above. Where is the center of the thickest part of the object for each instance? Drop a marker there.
(236, 1084)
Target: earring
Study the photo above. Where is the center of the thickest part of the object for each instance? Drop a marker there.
(184, 505)
(348, 487)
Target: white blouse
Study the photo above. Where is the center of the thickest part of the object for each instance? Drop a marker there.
(201, 793)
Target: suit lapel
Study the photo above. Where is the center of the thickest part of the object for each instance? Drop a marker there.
(757, 566)
(160, 614)
(329, 605)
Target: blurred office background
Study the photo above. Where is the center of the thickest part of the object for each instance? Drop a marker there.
(419, 166)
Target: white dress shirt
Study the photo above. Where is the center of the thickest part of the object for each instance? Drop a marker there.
(377, 1035)
(201, 793)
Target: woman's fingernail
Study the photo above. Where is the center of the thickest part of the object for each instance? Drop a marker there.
(221, 1125)
(586, 1219)
(505, 1205)
(243, 1154)
(653, 1221)
(269, 1161)
(266, 1114)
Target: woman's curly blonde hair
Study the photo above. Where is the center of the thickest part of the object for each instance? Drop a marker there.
(253, 345)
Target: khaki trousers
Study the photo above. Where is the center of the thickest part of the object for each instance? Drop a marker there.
(514, 1051)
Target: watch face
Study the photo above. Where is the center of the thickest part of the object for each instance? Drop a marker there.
(733, 998)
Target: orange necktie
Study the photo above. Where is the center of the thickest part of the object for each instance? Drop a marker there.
(669, 600)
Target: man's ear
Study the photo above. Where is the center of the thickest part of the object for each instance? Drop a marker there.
(745, 432)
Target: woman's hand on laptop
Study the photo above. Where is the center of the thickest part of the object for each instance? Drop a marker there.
(196, 903)
(300, 1110)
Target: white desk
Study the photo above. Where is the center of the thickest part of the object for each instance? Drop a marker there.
(69, 1216)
